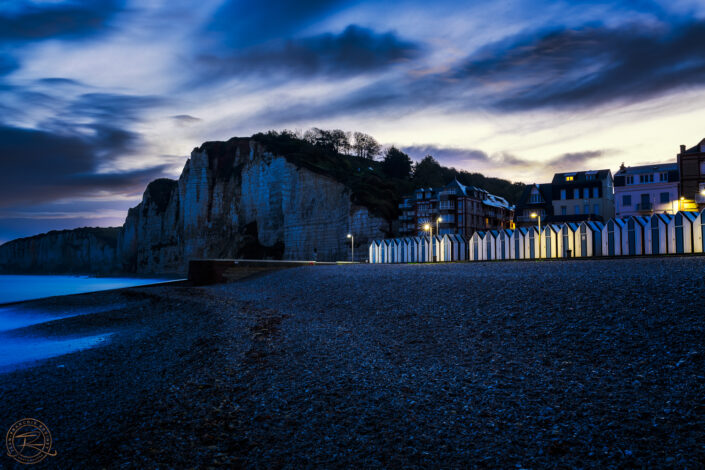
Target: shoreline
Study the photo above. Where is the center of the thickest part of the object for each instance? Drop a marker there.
(330, 366)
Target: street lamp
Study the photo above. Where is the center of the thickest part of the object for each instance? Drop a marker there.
(533, 216)
(429, 228)
(352, 247)
(680, 204)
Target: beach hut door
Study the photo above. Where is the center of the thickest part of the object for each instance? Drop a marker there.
(475, 249)
(565, 242)
(654, 236)
(679, 233)
(532, 248)
(503, 245)
(583, 241)
(631, 234)
(610, 238)
(548, 243)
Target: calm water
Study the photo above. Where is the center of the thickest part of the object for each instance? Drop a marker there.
(14, 288)
(20, 348)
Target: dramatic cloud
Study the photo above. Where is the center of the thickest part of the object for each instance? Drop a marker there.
(590, 66)
(576, 159)
(39, 166)
(31, 21)
(355, 50)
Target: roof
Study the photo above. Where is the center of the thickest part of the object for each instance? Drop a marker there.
(496, 201)
(658, 167)
(697, 149)
(579, 176)
(545, 189)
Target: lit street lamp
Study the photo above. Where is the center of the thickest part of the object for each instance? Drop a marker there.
(429, 228)
(533, 216)
(680, 204)
(352, 247)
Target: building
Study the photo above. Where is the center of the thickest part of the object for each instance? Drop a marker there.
(691, 166)
(646, 190)
(462, 210)
(584, 195)
(536, 198)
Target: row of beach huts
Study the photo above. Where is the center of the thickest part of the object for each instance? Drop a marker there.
(658, 234)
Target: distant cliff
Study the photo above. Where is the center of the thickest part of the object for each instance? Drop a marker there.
(83, 250)
(247, 197)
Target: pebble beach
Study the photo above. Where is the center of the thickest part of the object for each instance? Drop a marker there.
(589, 364)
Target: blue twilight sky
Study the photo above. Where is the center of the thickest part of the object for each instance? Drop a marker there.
(99, 97)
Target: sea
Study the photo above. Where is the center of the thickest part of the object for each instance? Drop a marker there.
(20, 348)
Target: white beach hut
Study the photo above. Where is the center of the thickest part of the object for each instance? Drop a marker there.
(566, 240)
(699, 233)
(531, 244)
(504, 245)
(489, 244)
(517, 242)
(425, 249)
(549, 241)
(373, 252)
(589, 239)
(415, 250)
(476, 253)
(656, 235)
(633, 236)
(462, 248)
(680, 232)
(612, 237)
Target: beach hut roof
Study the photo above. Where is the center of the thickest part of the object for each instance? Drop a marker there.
(690, 215)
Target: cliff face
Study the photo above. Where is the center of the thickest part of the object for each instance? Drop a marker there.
(83, 250)
(236, 200)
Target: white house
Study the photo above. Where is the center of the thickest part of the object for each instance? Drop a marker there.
(646, 190)
(680, 232)
(656, 236)
(612, 237)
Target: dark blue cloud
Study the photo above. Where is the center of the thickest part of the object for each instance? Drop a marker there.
(355, 50)
(30, 21)
(243, 23)
(590, 66)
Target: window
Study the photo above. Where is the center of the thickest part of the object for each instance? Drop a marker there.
(577, 209)
(576, 193)
(586, 193)
(586, 209)
(629, 179)
(627, 200)
(596, 209)
(663, 176)
(564, 210)
(702, 167)
(665, 198)
(569, 178)
(563, 195)
(595, 192)
(646, 178)
(590, 176)
(535, 196)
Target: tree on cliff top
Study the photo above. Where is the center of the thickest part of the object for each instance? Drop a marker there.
(428, 173)
(365, 146)
(396, 164)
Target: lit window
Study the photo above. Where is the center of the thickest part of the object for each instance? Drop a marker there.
(569, 178)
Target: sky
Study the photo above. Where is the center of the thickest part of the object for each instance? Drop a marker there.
(99, 97)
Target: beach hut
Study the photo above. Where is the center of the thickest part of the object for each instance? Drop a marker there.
(504, 245)
(415, 250)
(489, 244)
(633, 237)
(612, 237)
(476, 253)
(549, 241)
(373, 253)
(439, 248)
(680, 232)
(403, 250)
(656, 236)
(518, 243)
(532, 249)
(566, 240)
(424, 250)
(462, 248)
(699, 233)
(589, 239)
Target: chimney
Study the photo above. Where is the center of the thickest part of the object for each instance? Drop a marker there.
(682, 148)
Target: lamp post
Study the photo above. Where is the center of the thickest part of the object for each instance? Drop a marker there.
(680, 203)
(352, 247)
(429, 228)
(533, 216)
(438, 232)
